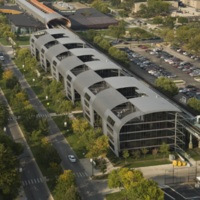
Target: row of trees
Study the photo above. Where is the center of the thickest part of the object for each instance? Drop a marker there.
(5, 30)
(164, 150)
(153, 8)
(186, 36)
(106, 46)
(9, 167)
(95, 142)
(134, 186)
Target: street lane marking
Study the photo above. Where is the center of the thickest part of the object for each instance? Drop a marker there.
(32, 181)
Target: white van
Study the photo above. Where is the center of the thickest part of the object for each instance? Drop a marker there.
(1, 56)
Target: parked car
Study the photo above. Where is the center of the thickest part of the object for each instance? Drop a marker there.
(72, 158)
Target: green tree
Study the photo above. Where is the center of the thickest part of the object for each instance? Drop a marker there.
(144, 151)
(43, 126)
(4, 115)
(29, 119)
(90, 34)
(125, 155)
(136, 154)
(125, 178)
(66, 187)
(154, 152)
(9, 176)
(164, 149)
(117, 31)
(79, 126)
(194, 104)
(99, 147)
(166, 85)
(145, 190)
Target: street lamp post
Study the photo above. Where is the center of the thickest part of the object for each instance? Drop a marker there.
(33, 81)
(91, 161)
(4, 129)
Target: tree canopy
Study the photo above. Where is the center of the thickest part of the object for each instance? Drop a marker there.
(166, 85)
(4, 114)
(134, 185)
(66, 187)
(9, 176)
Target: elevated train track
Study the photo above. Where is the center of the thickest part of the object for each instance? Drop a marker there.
(44, 14)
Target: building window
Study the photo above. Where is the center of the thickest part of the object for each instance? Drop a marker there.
(87, 96)
(54, 62)
(86, 103)
(110, 121)
(69, 78)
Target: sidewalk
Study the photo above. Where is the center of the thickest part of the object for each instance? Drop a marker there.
(22, 195)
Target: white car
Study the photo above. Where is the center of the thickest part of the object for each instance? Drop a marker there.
(1, 56)
(72, 158)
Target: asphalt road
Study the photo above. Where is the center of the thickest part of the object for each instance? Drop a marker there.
(33, 182)
(88, 188)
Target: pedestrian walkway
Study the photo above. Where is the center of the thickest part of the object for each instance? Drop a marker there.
(81, 174)
(32, 181)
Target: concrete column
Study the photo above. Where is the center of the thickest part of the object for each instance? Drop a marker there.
(190, 143)
(198, 143)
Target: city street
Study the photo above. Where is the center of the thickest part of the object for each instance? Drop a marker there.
(89, 189)
(34, 184)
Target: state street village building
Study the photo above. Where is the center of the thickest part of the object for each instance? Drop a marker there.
(130, 113)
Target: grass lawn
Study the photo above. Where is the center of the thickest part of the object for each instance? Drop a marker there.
(115, 196)
(72, 138)
(22, 40)
(194, 153)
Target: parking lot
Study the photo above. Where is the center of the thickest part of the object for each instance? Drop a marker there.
(182, 192)
(171, 63)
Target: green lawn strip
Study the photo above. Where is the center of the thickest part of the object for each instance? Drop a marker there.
(22, 40)
(194, 153)
(146, 163)
(73, 139)
(115, 196)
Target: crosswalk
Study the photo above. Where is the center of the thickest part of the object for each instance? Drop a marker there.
(40, 180)
(81, 174)
(32, 181)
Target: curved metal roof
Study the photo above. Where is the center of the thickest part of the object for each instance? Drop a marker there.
(68, 64)
(70, 40)
(107, 100)
(153, 104)
(54, 51)
(42, 40)
(88, 51)
(85, 80)
(98, 65)
(122, 82)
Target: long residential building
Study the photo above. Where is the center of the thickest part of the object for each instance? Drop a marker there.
(130, 113)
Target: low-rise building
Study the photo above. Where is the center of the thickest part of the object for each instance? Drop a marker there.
(129, 112)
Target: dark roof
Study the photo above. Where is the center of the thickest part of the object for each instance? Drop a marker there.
(25, 20)
(85, 18)
(13, 7)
